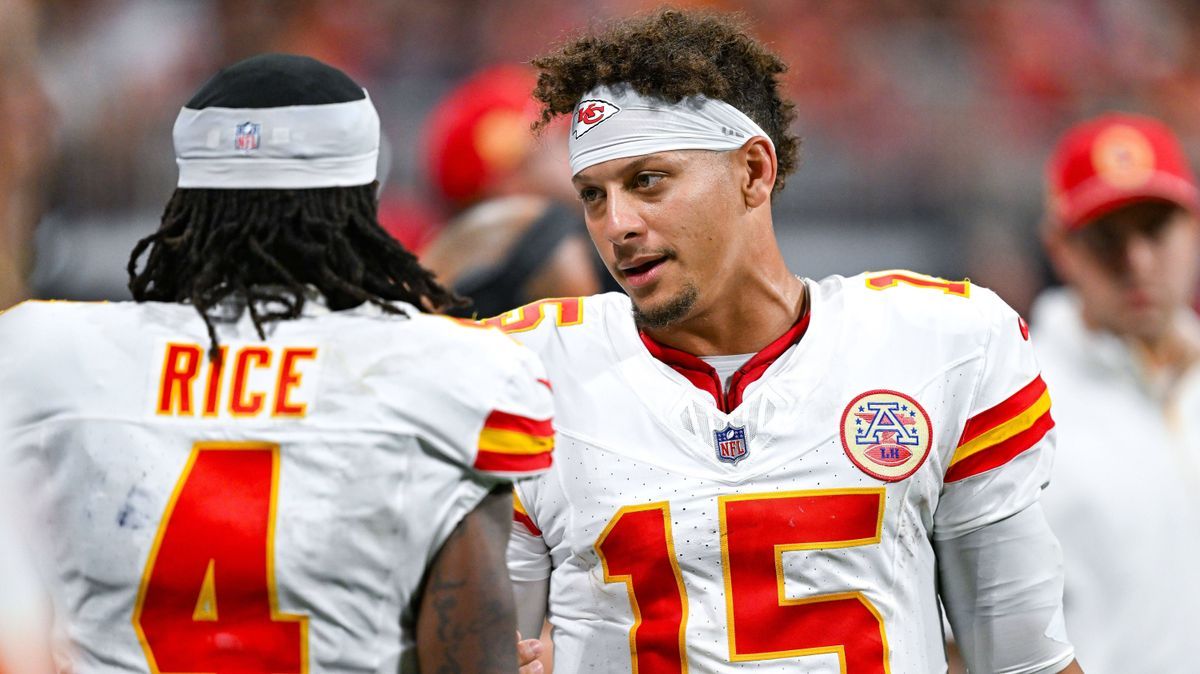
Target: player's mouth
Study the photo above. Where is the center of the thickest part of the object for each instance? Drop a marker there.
(642, 270)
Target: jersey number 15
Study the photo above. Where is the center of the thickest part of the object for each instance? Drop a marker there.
(636, 548)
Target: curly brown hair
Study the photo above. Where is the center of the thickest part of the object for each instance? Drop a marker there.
(673, 54)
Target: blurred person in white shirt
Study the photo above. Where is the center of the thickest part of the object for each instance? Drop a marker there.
(1119, 346)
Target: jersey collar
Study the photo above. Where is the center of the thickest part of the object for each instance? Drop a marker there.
(704, 377)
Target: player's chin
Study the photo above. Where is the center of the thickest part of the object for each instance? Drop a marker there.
(663, 308)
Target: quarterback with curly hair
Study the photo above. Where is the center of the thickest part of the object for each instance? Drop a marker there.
(756, 469)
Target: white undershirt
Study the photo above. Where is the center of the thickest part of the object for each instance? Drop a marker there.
(727, 365)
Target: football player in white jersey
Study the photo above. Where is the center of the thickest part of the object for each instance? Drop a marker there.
(755, 471)
(273, 461)
(1121, 348)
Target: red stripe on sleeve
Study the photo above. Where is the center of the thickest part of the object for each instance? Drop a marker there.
(1001, 453)
(542, 428)
(512, 463)
(546, 383)
(998, 414)
(527, 522)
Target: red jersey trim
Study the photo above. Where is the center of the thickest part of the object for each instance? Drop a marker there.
(704, 377)
(1003, 411)
(521, 515)
(999, 454)
(497, 462)
(506, 421)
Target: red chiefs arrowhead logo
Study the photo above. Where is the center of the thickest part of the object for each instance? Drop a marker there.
(589, 113)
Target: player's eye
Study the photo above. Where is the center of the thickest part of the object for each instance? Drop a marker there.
(589, 194)
(647, 180)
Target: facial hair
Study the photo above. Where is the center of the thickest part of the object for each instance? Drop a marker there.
(672, 311)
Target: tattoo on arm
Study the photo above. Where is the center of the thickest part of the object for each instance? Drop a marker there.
(466, 622)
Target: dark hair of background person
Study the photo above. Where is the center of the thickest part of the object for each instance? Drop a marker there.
(674, 54)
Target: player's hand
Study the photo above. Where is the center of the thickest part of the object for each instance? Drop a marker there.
(528, 651)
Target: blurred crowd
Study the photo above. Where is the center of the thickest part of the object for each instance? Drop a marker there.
(925, 122)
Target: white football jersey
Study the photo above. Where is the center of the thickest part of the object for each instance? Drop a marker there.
(786, 525)
(274, 510)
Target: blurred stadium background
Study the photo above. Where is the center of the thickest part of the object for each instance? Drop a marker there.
(925, 122)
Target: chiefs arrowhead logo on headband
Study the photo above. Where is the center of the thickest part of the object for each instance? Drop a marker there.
(589, 113)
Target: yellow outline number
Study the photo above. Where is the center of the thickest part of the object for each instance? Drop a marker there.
(216, 544)
(637, 549)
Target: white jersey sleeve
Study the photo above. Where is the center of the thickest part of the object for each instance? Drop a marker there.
(528, 554)
(999, 565)
(513, 436)
(999, 629)
(1005, 449)
(535, 325)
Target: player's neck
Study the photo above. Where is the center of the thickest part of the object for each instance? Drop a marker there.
(753, 312)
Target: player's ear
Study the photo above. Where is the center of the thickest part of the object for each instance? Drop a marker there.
(758, 163)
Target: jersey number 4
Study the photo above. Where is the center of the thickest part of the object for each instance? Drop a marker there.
(636, 548)
(207, 602)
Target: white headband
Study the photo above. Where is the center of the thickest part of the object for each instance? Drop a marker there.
(614, 122)
(295, 147)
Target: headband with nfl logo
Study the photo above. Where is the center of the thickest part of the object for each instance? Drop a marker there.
(290, 147)
(615, 122)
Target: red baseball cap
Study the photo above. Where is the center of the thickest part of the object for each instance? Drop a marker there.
(1114, 160)
(480, 131)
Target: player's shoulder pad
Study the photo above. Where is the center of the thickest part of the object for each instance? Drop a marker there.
(543, 324)
(470, 345)
(928, 303)
(507, 409)
(45, 323)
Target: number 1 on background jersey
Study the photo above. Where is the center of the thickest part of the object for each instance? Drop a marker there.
(636, 548)
(207, 601)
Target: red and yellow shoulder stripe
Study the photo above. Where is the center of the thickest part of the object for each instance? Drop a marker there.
(521, 515)
(998, 434)
(510, 443)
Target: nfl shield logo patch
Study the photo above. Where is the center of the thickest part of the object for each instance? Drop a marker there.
(246, 136)
(731, 443)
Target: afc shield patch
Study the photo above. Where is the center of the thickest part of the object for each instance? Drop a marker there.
(887, 434)
(731, 443)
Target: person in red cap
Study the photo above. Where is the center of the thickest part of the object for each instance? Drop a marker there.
(517, 234)
(1119, 347)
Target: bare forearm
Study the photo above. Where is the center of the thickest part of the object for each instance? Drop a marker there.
(466, 620)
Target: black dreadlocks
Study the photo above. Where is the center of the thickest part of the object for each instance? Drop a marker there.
(264, 246)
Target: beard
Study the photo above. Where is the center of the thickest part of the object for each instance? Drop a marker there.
(668, 313)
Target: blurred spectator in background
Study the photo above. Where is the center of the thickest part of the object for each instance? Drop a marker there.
(26, 146)
(519, 235)
(1119, 348)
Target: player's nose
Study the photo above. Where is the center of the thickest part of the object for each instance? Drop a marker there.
(622, 220)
